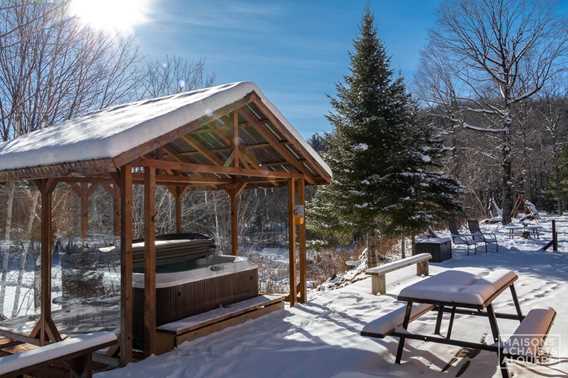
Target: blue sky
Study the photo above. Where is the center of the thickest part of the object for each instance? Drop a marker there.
(294, 50)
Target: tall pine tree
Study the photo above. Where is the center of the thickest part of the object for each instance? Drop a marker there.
(386, 180)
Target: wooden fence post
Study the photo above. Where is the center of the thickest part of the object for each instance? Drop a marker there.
(554, 237)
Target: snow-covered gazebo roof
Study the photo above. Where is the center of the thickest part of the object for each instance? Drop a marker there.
(192, 127)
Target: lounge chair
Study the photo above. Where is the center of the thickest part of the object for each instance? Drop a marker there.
(462, 239)
(482, 237)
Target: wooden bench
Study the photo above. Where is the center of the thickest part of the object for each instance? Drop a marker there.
(75, 352)
(173, 334)
(386, 324)
(378, 273)
(529, 337)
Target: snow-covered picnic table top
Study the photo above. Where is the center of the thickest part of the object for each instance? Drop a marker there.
(473, 286)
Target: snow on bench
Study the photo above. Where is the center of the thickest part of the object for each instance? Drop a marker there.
(529, 336)
(387, 323)
(173, 334)
(204, 319)
(71, 346)
(378, 282)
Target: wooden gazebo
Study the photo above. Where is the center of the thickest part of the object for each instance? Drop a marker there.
(226, 137)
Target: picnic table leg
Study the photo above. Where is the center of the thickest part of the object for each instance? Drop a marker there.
(497, 340)
(405, 326)
(451, 325)
(439, 320)
(516, 302)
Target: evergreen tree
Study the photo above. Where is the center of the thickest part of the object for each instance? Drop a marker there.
(383, 160)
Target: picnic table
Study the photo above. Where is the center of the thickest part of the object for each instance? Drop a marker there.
(532, 230)
(469, 292)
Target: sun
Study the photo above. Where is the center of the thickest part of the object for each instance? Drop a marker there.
(115, 16)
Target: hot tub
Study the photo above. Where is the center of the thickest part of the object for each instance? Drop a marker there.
(194, 287)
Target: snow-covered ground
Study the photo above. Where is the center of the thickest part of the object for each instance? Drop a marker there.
(321, 338)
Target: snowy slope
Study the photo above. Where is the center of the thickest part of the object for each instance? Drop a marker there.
(321, 339)
(110, 132)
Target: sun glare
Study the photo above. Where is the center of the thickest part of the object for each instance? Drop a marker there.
(115, 16)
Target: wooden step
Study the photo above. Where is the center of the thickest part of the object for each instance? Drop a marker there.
(171, 335)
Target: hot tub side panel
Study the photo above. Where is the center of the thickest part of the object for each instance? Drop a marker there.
(177, 302)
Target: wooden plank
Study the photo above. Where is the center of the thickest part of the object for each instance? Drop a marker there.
(168, 341)
(278, 146)
(166, 179)
(219, 314)
(205, 331)
(199, 168)
(399, 264)
(36, 365)
(86, 167)
(126, 293)
(292, 240)
(302, 241)
(149, 260)
(247, 156)
(202, 150)
(17, 337)
(139, 151)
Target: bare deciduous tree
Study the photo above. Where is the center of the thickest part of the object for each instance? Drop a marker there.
(52, 69)
(484, 58)
(173, 74)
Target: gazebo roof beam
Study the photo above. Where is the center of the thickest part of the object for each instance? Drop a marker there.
(194, 143)
(213, 169)
(277, 145)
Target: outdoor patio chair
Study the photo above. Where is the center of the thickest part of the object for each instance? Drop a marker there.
(479, 236)
(462, 239)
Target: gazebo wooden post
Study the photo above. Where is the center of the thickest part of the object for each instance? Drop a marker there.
(234, 192)
(177, 192)
(116, 210)
(45, 329)
(302, 241)
(234, 223)
(149, 261)
(126, 262)
(292, 240)
(84, 191)
(84, 195)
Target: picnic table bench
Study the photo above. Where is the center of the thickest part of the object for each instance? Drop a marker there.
(469, 292)
(172, 334)
(378, 273)
(74, 352)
